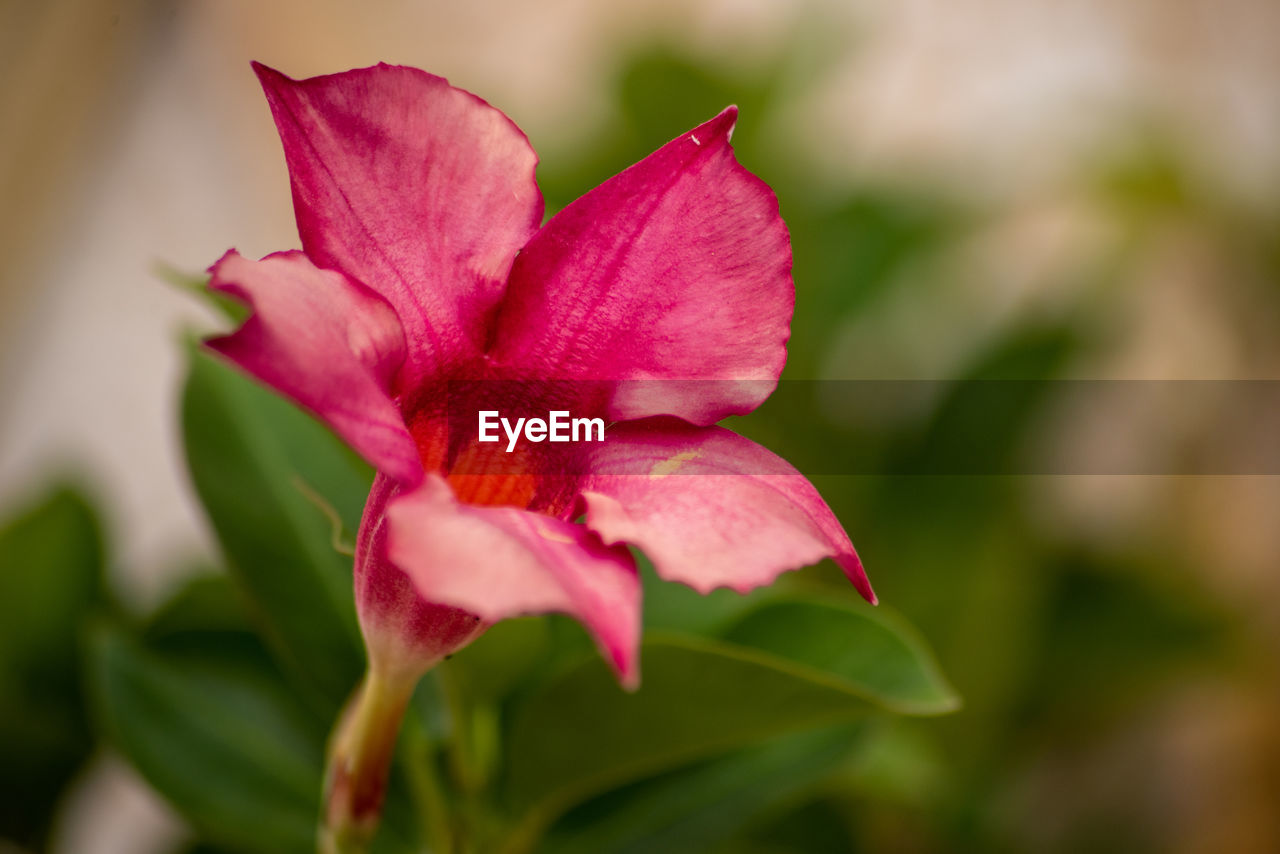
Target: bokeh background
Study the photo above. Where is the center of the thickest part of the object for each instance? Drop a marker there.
(977, 190)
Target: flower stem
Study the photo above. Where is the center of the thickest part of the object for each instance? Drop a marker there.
(360, 754)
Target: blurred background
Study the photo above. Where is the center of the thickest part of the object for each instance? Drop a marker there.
(978, 190)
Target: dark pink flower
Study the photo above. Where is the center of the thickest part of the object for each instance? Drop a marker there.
(428, 285)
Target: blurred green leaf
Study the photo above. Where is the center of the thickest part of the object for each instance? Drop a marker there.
(660, 95)
(253, 458)
(871, 650)
(678, 607)
(218, 735)
(692, 809)
(206, 603)
(982, 422)
(1110, 636)
(1148, 178)
(817, 826)
(508, 654)
(51, 566)
(900, 763)
(847, 255)
(581, 734)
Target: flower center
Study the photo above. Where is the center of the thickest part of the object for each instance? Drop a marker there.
(527, 475)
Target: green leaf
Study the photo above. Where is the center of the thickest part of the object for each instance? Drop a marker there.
(257, 462)
(693, 809)
(204, 623)
(581, 734)
(217, 735)
(873, 652)
(206, 604)
(51, 562)
(503, 657)
(818, 826)
(1112, 634)
(680, 608)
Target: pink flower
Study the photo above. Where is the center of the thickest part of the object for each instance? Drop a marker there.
(428, 285)
(426, 263)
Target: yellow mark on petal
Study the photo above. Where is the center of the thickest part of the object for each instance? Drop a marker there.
(553, 536)
(695, 139)
(673, 464)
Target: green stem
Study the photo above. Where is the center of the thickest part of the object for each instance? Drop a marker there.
(360, 754)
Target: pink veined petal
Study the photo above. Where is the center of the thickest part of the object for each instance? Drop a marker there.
(404, 633)
(328, 343)
(676, 269)
(420, 190)
(500, 562)
(710, 508)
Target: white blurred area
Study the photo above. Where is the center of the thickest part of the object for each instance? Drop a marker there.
(133, 132)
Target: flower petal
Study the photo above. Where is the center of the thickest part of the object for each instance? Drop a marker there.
(328, 343)
(676, 269)
(422, 191)
(710, 508)
(500, 562)
(405, 635)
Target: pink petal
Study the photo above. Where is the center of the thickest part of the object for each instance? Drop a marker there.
(500, 562)
(328, 343)
(710, 508)
(404, 633)
(422, 191)
(677, 268)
